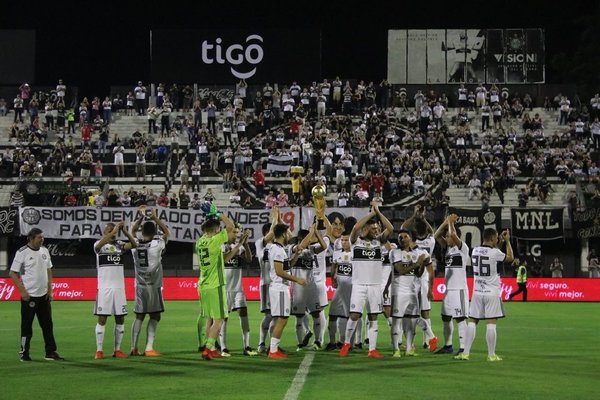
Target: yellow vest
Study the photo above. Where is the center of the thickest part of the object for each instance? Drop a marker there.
(522, 274)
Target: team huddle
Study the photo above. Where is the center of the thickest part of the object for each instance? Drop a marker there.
(373, 273)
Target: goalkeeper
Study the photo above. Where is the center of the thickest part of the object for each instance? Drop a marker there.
(211, 286)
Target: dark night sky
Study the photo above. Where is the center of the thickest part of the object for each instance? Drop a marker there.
(103, 43)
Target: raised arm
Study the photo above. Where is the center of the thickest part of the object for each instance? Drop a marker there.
(229, 225)
(132, 243)
(360, 224)
(389, 227)
(322, 244)
(509, 251)
(439, 233)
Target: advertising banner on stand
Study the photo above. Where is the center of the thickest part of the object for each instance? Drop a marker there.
(9, 221)
(417, 56)
(396, 70)
(514, 55)
(185, 288)
(225, 56)
(436, 56)
(471, 223)
(494, 56)
(537, 224)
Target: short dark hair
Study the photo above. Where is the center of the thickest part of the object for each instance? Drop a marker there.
(349, 223)
(280, 229)
(488, 234)
(149, 228)
(33, 233)
(332, 217)
(265, 229)
(409, 232)
(302, 233)
(421, 227)
(210, 224)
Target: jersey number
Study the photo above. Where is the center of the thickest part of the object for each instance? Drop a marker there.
(203, 255)
(143, 258)
(482, 265)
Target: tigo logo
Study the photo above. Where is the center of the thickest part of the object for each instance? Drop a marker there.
(235, 55)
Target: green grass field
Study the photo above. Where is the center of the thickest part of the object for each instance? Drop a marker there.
(549, 352)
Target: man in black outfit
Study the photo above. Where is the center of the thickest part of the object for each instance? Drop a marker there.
(32, 275)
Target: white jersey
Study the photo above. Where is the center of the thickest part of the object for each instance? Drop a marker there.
(233, 268)
(343, 263)
(147, 262)
(456, 267)
(366, 260)
(33, 266)
(278, 253)
(386, 263)
(305, 265)
(409, 282)
(110, 265)
(320, 270)
(262, 253)
(486, 261)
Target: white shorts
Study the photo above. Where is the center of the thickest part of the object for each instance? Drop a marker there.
(366, 295)
(280, 301)
(424, 303)
(405, 304)
(305, 298)
(148, 299)
(265, 304)
(321, 294)
(236, 300)
(340, 303)
(486, 307)
(456, 303)
(110, 301)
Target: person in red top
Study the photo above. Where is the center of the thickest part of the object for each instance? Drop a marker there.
(163, 200)
(70, 200)
(259, 181)
(282, 198)
(86, 135)
(377, 182)
(364, 184)
(295, 128)
(270, 200)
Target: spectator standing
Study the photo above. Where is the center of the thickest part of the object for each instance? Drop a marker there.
(523, 198)
(282, 198)
(196, 169)
(118, 152)
(593, 264)
(140, 98)
(556, 268)
(259, 182)
(211, 111)
(18, 105)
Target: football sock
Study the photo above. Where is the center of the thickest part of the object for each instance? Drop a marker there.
(274, 345)
(99, 336)
(223, 335)
(300, 331)
(409, 325)
(136, 327)
(211, 343)
(119, 332)
(323, 321)
(350, 328)
(264, 328)
(372, 333)
(462, 333)
(425, 324)
(332, 330)
(358, 331)
(490, 338)
(448, 330)
(201, 326)
(396, 329)
(305, 323)
(390, 321)
(470, 336)
(245, 325)
(151, 334)
(343, 325)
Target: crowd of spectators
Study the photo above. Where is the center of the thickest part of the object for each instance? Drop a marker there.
(364, 141)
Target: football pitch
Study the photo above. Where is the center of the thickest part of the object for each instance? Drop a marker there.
(549, 352)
